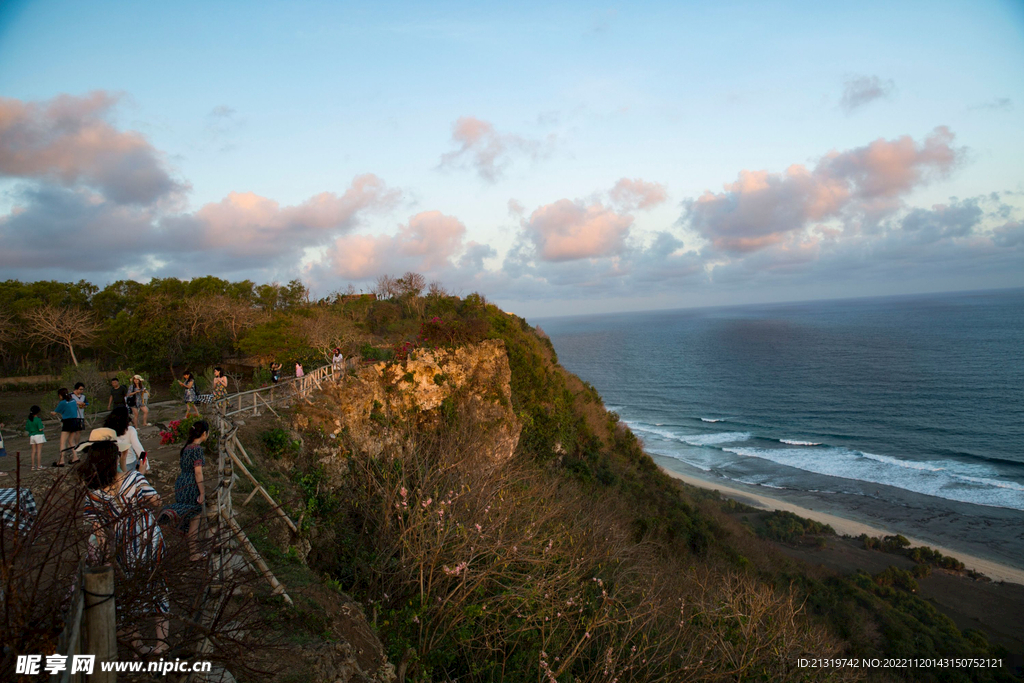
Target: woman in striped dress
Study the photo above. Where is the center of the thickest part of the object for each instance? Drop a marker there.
(118, 505)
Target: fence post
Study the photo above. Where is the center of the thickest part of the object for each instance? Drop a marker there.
(100, 621)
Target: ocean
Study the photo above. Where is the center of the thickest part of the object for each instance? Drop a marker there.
(904, 412)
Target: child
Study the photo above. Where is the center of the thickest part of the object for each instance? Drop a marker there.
(34, 427)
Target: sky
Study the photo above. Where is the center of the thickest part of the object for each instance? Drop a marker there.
(568, 159)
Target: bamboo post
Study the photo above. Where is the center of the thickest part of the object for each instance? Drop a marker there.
(255, 557)
(239, 446)
(100, 621)
(263, 491)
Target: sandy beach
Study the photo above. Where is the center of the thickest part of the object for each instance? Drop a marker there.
(843, 526)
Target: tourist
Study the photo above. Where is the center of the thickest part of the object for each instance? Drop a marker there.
(220, 386)
(189, 382)
(298, 370)
(3, 451)
(119, 506)
(78, 393)
(337, 359)
(118, 394)
(275, 372)
(67, 411)
(120, 420)
(34, 426)
(189, 495)
(139, 393)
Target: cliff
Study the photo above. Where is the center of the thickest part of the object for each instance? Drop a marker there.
(381, 406)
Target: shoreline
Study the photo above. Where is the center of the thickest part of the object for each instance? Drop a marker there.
(847, 527)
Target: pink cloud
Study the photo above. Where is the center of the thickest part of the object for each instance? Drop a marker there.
(483, 148)
(762, 208)
(636, 194)
(246, 223)
(427, 243)
(566, 230)
(70, 140)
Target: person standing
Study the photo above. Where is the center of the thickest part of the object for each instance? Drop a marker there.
(299, 372)
(120, 506)
(189, 382)
(189, 494)
(220, 386)
(79, 395)
(118, 394)
(34, 426)
(338, 359)
(120, 420)
(138, 400)
(3, 451)
(67, 411)
(275, 372)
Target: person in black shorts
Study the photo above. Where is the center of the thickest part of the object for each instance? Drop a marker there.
(275, 372)
(67, 411)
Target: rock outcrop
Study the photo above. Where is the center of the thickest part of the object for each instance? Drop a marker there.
(372, 405)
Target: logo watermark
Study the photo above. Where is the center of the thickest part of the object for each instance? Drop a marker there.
(33, 665)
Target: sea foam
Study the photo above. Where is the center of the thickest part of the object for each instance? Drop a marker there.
(962, 482)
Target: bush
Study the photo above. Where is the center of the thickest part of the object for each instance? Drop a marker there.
(369, 352)
(278, 443)
(178, 432)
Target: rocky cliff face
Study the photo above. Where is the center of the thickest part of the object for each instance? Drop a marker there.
(373, 405)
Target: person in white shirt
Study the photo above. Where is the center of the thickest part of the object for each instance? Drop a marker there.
(128, 442)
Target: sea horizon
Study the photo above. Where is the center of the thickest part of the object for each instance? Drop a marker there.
(903, 412)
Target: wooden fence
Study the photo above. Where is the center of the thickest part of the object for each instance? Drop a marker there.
(228, 535)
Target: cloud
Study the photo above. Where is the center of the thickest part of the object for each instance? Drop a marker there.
(244, 224)
(221, 124)
(636, 194)
(484, 149)
(81, 231)
(1010, 234)
(762, 208)
(70, 141)
(426, 244)
(861, 90)
(567, 230)
(995, 104)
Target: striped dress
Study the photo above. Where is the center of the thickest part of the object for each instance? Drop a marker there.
(120, 515)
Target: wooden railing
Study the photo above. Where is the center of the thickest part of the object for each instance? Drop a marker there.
(71, 640)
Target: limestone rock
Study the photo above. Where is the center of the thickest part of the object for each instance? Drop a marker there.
(367, 408)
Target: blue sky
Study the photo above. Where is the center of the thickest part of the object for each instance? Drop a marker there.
(578, 158)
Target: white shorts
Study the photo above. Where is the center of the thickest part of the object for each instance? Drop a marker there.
(37, 438)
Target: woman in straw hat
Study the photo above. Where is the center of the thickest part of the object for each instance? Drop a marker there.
(138, 400)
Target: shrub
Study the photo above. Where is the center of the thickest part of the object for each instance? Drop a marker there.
(278, 443)
(178, 432)
(369, 352)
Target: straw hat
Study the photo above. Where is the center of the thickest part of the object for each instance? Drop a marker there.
(96, 435)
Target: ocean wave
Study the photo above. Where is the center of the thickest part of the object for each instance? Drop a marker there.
(708, 419)
(690, 439)
(675, 455)
(714, 439)
(961, 482)
(800, 443)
